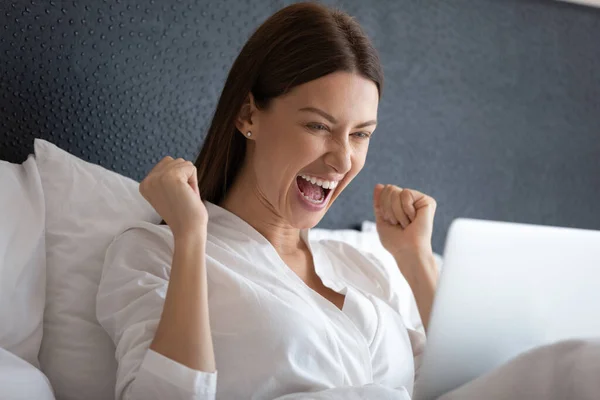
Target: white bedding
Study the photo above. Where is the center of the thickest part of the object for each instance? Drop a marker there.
(20, 380)
(564, 370)
(22, 259)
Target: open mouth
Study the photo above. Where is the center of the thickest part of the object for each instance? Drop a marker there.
(312, 192)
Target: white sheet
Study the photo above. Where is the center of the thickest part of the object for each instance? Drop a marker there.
(20, 380)
(564, 370)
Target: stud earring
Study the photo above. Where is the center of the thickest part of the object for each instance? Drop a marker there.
(249, 134)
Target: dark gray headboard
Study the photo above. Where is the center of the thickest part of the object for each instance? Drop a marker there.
(490, 106)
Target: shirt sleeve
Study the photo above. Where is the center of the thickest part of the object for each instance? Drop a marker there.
(129, 304)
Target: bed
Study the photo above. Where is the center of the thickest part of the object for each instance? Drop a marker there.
(490, 107)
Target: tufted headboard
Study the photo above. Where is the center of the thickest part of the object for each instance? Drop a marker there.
(490, 106)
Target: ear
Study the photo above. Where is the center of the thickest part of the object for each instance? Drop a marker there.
(246, 118)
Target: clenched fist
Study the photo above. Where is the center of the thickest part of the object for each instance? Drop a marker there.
(404, 220)
(171, 187)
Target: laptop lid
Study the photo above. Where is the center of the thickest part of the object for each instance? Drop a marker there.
(504, 289)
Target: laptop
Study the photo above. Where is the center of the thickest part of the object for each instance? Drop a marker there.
(506, 288)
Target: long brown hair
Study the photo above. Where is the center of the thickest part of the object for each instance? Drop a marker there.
(297, 44)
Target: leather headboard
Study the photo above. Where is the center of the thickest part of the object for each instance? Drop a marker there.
(492, 107)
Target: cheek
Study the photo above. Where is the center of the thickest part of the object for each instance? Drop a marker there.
(291, 149)
(359, 158)
(280, 155)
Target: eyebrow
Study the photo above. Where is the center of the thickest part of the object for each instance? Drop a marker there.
(332, 119)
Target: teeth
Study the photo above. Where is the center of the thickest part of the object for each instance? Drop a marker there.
(322, 183)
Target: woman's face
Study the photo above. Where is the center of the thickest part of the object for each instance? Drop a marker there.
(309, 144)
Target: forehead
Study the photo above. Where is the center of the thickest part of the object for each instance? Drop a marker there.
(344, 95)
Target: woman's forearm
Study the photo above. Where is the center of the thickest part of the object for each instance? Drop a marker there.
(183, 333)
(421, 273)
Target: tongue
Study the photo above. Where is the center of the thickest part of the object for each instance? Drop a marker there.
(312, 191)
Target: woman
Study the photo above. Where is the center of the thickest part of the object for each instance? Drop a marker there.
(232, 281)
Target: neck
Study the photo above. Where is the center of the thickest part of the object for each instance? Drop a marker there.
(245, 200)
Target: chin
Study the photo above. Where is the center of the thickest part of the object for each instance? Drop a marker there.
(307, 221)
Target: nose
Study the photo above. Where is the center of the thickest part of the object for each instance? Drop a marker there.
(339, 156)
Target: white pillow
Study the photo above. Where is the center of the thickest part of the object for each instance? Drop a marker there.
(86, 206)
(22, 259)
(20, 380)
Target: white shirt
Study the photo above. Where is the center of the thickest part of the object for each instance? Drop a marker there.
(274, 337)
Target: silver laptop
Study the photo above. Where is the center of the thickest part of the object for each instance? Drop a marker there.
(504, 289)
